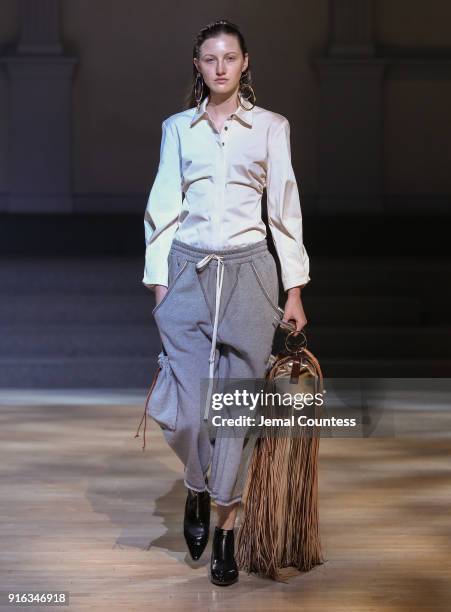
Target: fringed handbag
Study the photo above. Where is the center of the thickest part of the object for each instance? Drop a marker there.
(279, 527)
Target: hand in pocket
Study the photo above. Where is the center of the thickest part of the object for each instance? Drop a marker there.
(160, 292)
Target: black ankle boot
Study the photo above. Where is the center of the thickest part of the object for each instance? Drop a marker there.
(224, 570)
(196, 523)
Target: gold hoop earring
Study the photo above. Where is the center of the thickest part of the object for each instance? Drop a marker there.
(246, 86)
(198, 97)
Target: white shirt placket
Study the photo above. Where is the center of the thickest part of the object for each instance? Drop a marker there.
(221, 170)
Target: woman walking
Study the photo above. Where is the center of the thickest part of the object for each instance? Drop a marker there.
(215, 281)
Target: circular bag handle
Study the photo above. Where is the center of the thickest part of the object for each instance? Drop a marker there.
(298, 342)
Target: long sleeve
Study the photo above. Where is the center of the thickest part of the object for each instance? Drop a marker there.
(162, 210)
(284, 209)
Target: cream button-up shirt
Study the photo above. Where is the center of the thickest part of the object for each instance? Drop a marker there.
(209, 186)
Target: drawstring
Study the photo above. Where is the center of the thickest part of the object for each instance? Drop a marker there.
(144, 416)
(219, 279)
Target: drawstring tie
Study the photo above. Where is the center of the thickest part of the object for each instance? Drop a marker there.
(144, 416)
(219, 280)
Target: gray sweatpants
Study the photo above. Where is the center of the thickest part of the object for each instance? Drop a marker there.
(217, 319)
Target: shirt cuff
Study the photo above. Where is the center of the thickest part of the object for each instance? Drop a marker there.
(152, 283)
(295, 282)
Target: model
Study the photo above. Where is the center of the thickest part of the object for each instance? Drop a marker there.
(215, 281)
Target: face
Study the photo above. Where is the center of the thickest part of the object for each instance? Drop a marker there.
(221, 58)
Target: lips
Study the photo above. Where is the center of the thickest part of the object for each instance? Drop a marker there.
(221, 80)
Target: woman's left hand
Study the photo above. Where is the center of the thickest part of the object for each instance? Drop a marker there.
(294, 309)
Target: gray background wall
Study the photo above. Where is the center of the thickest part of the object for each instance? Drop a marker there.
(134, 63)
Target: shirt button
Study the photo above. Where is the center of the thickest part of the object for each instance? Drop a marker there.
(226, 128)
(222, 144)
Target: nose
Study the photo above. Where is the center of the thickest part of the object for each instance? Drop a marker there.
(220, 69)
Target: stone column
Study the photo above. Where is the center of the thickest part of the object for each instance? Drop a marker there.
(351, 27)
(39, 33)
(40, 113)
(350, 134)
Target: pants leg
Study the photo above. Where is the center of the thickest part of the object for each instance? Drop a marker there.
(246, 334)
(183, 321)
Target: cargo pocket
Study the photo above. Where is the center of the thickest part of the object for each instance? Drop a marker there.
(162, 404)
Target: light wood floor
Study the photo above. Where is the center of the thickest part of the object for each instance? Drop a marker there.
(85, 510)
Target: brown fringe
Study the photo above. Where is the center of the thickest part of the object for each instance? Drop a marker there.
(280, 525)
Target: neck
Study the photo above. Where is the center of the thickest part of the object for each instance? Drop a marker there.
(226, 103)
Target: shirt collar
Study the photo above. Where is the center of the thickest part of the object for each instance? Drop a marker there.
(244, 114)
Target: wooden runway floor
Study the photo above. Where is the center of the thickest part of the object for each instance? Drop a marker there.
(85, 510)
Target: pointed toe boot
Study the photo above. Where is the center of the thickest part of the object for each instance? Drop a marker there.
(196, 522)
(224, 570)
